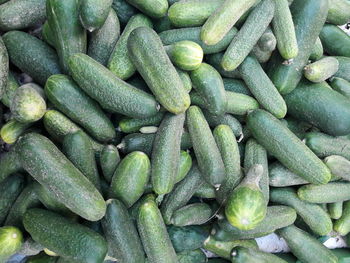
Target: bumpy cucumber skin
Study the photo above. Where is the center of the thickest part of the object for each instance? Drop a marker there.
(262, 87)
(242, 254)
(93, 14)
(342, 225)
(215, 61)
(317, 51)
(185, 164)
(344, 68)
(339, 166)
(192, 214)
(153, 8)
(103, 40)
(284, 145)
(236, 85)
(328, 193)
(72, 101)
(308, 17)
(9, 89)
(9, 164)
(341, 85)
(11, 240)
(12, 130)
(31, 55)
(240, 104)
(280, 176)
(64, 237)
(267, 42)
(42, 159)
(322, 69)
(335, 210)
(148, 55)
(114, 95)
(130, 125)
(121, 234)
(310, 102)
(261, 55)
(207, 152)
(186, 55)
(206, 191)
(225, 119)
(185, 78)
(4, 68)
(335, 41)
(119, 61)
(109, 160)
(339, 12)
(20, 14)
(248, 35)
(124, 10)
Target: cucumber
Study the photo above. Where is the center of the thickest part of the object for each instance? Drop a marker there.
(162, 24)
(109, 161)
(10, 188)
(339, 166)
(248, 35)
(317, 51)
(308, 17)
(10, 87)
(262, 88)
(209, 84)
(299, 128)
(242, 254)
(172, 36)
(103, 40)
(236, 85)
(130, 125)
(286, 147)
(130, 178)
(64, 14)
(35, 58)
(192, 214)
(186, 80)
(192, 12)
(21, 14)
(228, 148)
(152, 8)
(68, 239)
(342, 254)
(47, 35)
(186, 55)
(124, 10)
(4, 72)
(321, 70)
(9, 164)
(94, 14)
(280, 176)
(344, 68)
(240, 104)
(69, 186)
(11, 240)
(335, 210)
(78, 149)
(194, 256)
(41, 258)
(153, 233)
(166, 153)
(215, 61)
(305, 247)
(206, 191)
(30, 247)
(283, 27)
(113, 94)
(156, 69)
(341, 85)
(260, 55)
(339, 12)
(225, 119)
(11, 131)
(223, 19)
(335, 41)
(207, 152)
(267, 42)
(342, 225)
(313, 215)
(185, 164)
(119, 61)
(328, 193)
(123, 245)
(67, 97)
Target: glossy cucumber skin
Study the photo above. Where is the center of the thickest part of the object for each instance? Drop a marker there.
(12, 130)
(69, 239)
(225, 119)
(333, 120)
(93, 14)
(317, 51)
(123, 240)
(72, 39)
(328, 193)
(243, 254)
(341, 85)
(308, 17)
(166, 153)
(207, 153)
(342, 225)
(114, 95)
(280, 176)
(4, 66)
(21, 14)
(35, 57)
(103, 40)
(283, 144)
(109, 160)
(124, 10)
(9, 164)
(148, 55)
(339, 12)
(152, 8)
(321, 70)
(335, 41)
(42, 159)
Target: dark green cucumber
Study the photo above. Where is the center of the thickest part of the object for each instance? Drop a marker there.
(321, 70)
(30, 247)
(248, 35)
(193, 34)
(328, 193)
(262, 88)
(123, 245)
(21, 14)
(153, 233)
(124, 10)
(339, 12)
(155, 67)
(215, 61)
(313, 215)
(11, 240)
(166, 153)
(12, 130)
(119, 61)
(185, 164)
(236, 85)
(103, 40)
(206, 191)
(9, 164)
(286, 147)
(109, 160)
(47, 35)
(130, 125)
(280, 176)
(93, 14)
(342, 225)
(207, 152)
(317, 51)
(228, 148)
(113, 94)
(42, 159)
(308, 17)
(335, 41)
(335, 210)
(341, 85)
(208, 83)
(10, 188)
(162, 24)
(344, 68)
(192, 214)
(260, 55)
(68, 239)
(70, 36)
(240, 104)
(152, 8)
(130, 178)
(35, 58)
(242, 254)
(339, 166)
(67, 97)
(4, 72)
(193, 256)
(299, 128)
(305, 247)
(78, 149)
(10, 86)
(192, 13)
(226, 119)
(223, 19)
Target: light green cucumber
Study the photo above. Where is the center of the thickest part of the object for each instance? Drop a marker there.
(185, 164)
(280, 176)
(317, 51)
(339, 166)
(130, 125)
(321, 69)
(342, 225)
(11, 240)
(341, 85)
(339, 12)
(335, 210)
(192, 214)
(11, 131)
(240, 104)
(206, 191)
(185, 78)
(9, 89)
(93, 14)
(109, 160)
(152, 8)
(327, 193)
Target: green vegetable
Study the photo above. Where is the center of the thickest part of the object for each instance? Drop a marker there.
(339, 166)
(206, 191)
(130, 125)
(322, 69)
(342, 225)
(242, 254)
(344, 68)
(41, 258)
(328, 193)
(192, 214)
(225, 119)
(341, 85)
(124, 10)
(215, 61)
(194, 256)
(10, 87)
(185, 164)
(11, 131)
(335, 210)
(4, 72)
(339, 12)
(280, 176)
(152, 8)
(317, 51)
(11, 240)
(236, 85)
(261, 55)
(93, 14)
(9, 164)
(109, 160)
(240, 104)
(267, 42)
(335, 41)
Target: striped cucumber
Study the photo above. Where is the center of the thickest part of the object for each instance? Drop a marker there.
(93, 14)
(321, 69)
(109, 160)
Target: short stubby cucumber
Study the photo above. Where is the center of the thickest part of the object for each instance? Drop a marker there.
(11, 131)
(322, 69)
(93, 14)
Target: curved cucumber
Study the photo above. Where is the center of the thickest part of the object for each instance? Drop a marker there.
(11, 131)
(341, 85)
(321, 69)
(335, 41)
(109, 160)
(280, 176)
(93, 14)
(11, 240)
(153, 8)
(328, 193)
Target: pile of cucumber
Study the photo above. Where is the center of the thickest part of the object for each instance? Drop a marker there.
(167, 131)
